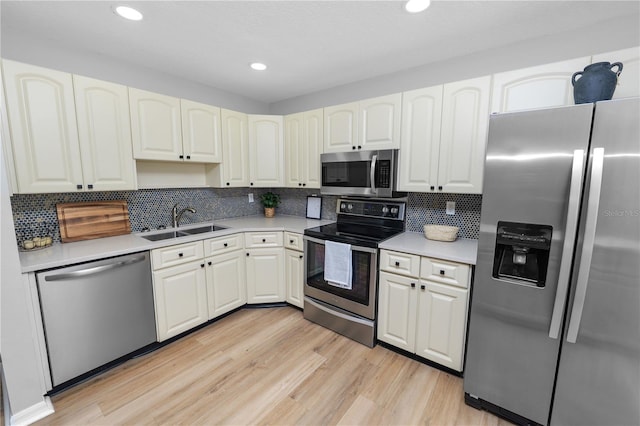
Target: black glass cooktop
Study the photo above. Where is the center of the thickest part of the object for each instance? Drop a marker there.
(356, 234)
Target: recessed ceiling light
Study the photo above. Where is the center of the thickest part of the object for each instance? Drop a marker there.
(415, 6)
(258, 66)
(128, 13)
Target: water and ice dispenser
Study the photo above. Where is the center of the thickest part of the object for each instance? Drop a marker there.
(522, 253)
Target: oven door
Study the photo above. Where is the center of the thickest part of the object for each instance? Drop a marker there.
(361, 298)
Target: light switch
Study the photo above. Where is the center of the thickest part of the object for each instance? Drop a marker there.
(451, 207)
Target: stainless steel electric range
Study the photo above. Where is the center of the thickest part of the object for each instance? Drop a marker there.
(350, 309)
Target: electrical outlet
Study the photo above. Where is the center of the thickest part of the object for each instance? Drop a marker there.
(451, 207)
(251, 198)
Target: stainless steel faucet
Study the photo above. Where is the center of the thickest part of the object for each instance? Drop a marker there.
(176, 215)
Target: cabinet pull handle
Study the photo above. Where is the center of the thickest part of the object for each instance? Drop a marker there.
(209, 263)
(225, 244)
(90, 186)
(441, 271)
(422, 287)
(180, 254)
(397, 264)
(78, 186)
(413, 285)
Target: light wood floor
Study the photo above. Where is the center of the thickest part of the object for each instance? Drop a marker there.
(269, 366)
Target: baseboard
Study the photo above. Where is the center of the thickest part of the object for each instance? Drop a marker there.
(33, 414)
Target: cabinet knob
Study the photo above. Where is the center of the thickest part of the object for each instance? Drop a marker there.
(397, 263)
(78, 186)
(188, 157)
(422, 287)
(209, 263)
(90, 186)
(180, 254)
(247, 254)
(202, 265)
(441, 271)
(304, 184)
(227, 183)
(264, 240)
(413, 285)
(433, 188)
(226, 245)
(439, 188)
(181, 157)
(353, 147)
(291, 241)
(251, 184)
(359, 147)
(300, 256)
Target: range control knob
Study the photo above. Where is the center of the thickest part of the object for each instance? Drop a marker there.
(350, 207)
(394, 211)
(385, 210)
(343, 206)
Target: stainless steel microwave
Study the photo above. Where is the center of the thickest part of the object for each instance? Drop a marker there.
(360, 173)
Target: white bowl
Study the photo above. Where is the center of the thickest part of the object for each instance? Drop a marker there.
(441, 232)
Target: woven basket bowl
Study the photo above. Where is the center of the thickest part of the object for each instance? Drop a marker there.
(441, 232)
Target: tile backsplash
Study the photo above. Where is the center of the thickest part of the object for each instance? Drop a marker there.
(35, 214)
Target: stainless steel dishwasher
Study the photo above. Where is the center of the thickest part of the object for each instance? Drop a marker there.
(95, 313)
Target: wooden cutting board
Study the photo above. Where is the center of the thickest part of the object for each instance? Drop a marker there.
(86, 221)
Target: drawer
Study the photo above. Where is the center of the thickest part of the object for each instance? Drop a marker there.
(293, 241)
(176, 255)
(444, 272)
(263, 239)
(400, 263)
(221, 245)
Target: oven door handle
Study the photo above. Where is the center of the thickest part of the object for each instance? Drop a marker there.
(372, 173)
(353, 248)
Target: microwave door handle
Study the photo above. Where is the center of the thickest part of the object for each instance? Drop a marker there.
(587, 245)
(372, 173)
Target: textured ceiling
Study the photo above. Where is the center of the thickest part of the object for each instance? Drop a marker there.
(308, 45)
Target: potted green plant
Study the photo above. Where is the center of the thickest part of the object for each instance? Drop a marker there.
(270, 201)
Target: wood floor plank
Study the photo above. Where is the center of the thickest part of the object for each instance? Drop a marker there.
(268, 367)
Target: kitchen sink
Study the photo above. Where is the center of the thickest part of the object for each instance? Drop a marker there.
(201, 230)
(183, 233)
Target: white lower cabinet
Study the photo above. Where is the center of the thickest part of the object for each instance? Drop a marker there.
(265, 275)
(226, 290)
(294, 268)
(180, 294)
(427, 317)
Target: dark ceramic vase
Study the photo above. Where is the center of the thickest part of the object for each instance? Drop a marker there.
(596, 83)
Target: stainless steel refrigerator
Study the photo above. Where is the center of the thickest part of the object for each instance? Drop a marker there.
(554, 328)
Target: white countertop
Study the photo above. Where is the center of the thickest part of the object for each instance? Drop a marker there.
(63, 254)
(462, 250)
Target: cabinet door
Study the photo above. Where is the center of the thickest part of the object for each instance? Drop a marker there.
(629, 78)
(293, 147)
(420, 143)
(265, 276)
(266, 151)
(380, 122)
(341, 128)
(43, 128)
(312, 146)
(294, 273)
(542, 86)
(465, 118)
(397, 305)
(180, 295)
(235, 149)
(226, 288)
(201, 132)
(104, 131)
(442, 320)
(155, 126)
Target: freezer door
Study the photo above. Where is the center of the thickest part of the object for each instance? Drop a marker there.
(599, 371)
(511, 360)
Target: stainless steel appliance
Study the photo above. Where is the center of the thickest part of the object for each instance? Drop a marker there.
(554, 330)
(96, 312)
(362, 224)
(360, 173)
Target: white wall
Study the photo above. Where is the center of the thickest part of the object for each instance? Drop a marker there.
(613, 35)
(43, 53)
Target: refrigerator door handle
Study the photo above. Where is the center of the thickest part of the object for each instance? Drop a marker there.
(575, 190)
(587, 247)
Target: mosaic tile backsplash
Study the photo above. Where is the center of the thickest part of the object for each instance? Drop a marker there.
(35, 214)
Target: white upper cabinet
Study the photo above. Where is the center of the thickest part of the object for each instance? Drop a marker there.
(542, 86)
(463, 137)
(234, 169)
(341, 127)
(380, 122)
(368, 124)
(420, 142)
(629, 79)
(63, 142)
(104, 132)
(43, 128)
(156, 126)
(303, 146)
(266, 151)
(201, 132)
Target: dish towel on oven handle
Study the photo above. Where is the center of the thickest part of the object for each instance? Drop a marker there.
(337, 264)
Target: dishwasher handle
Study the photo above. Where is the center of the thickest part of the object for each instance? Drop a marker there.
(91, 271)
